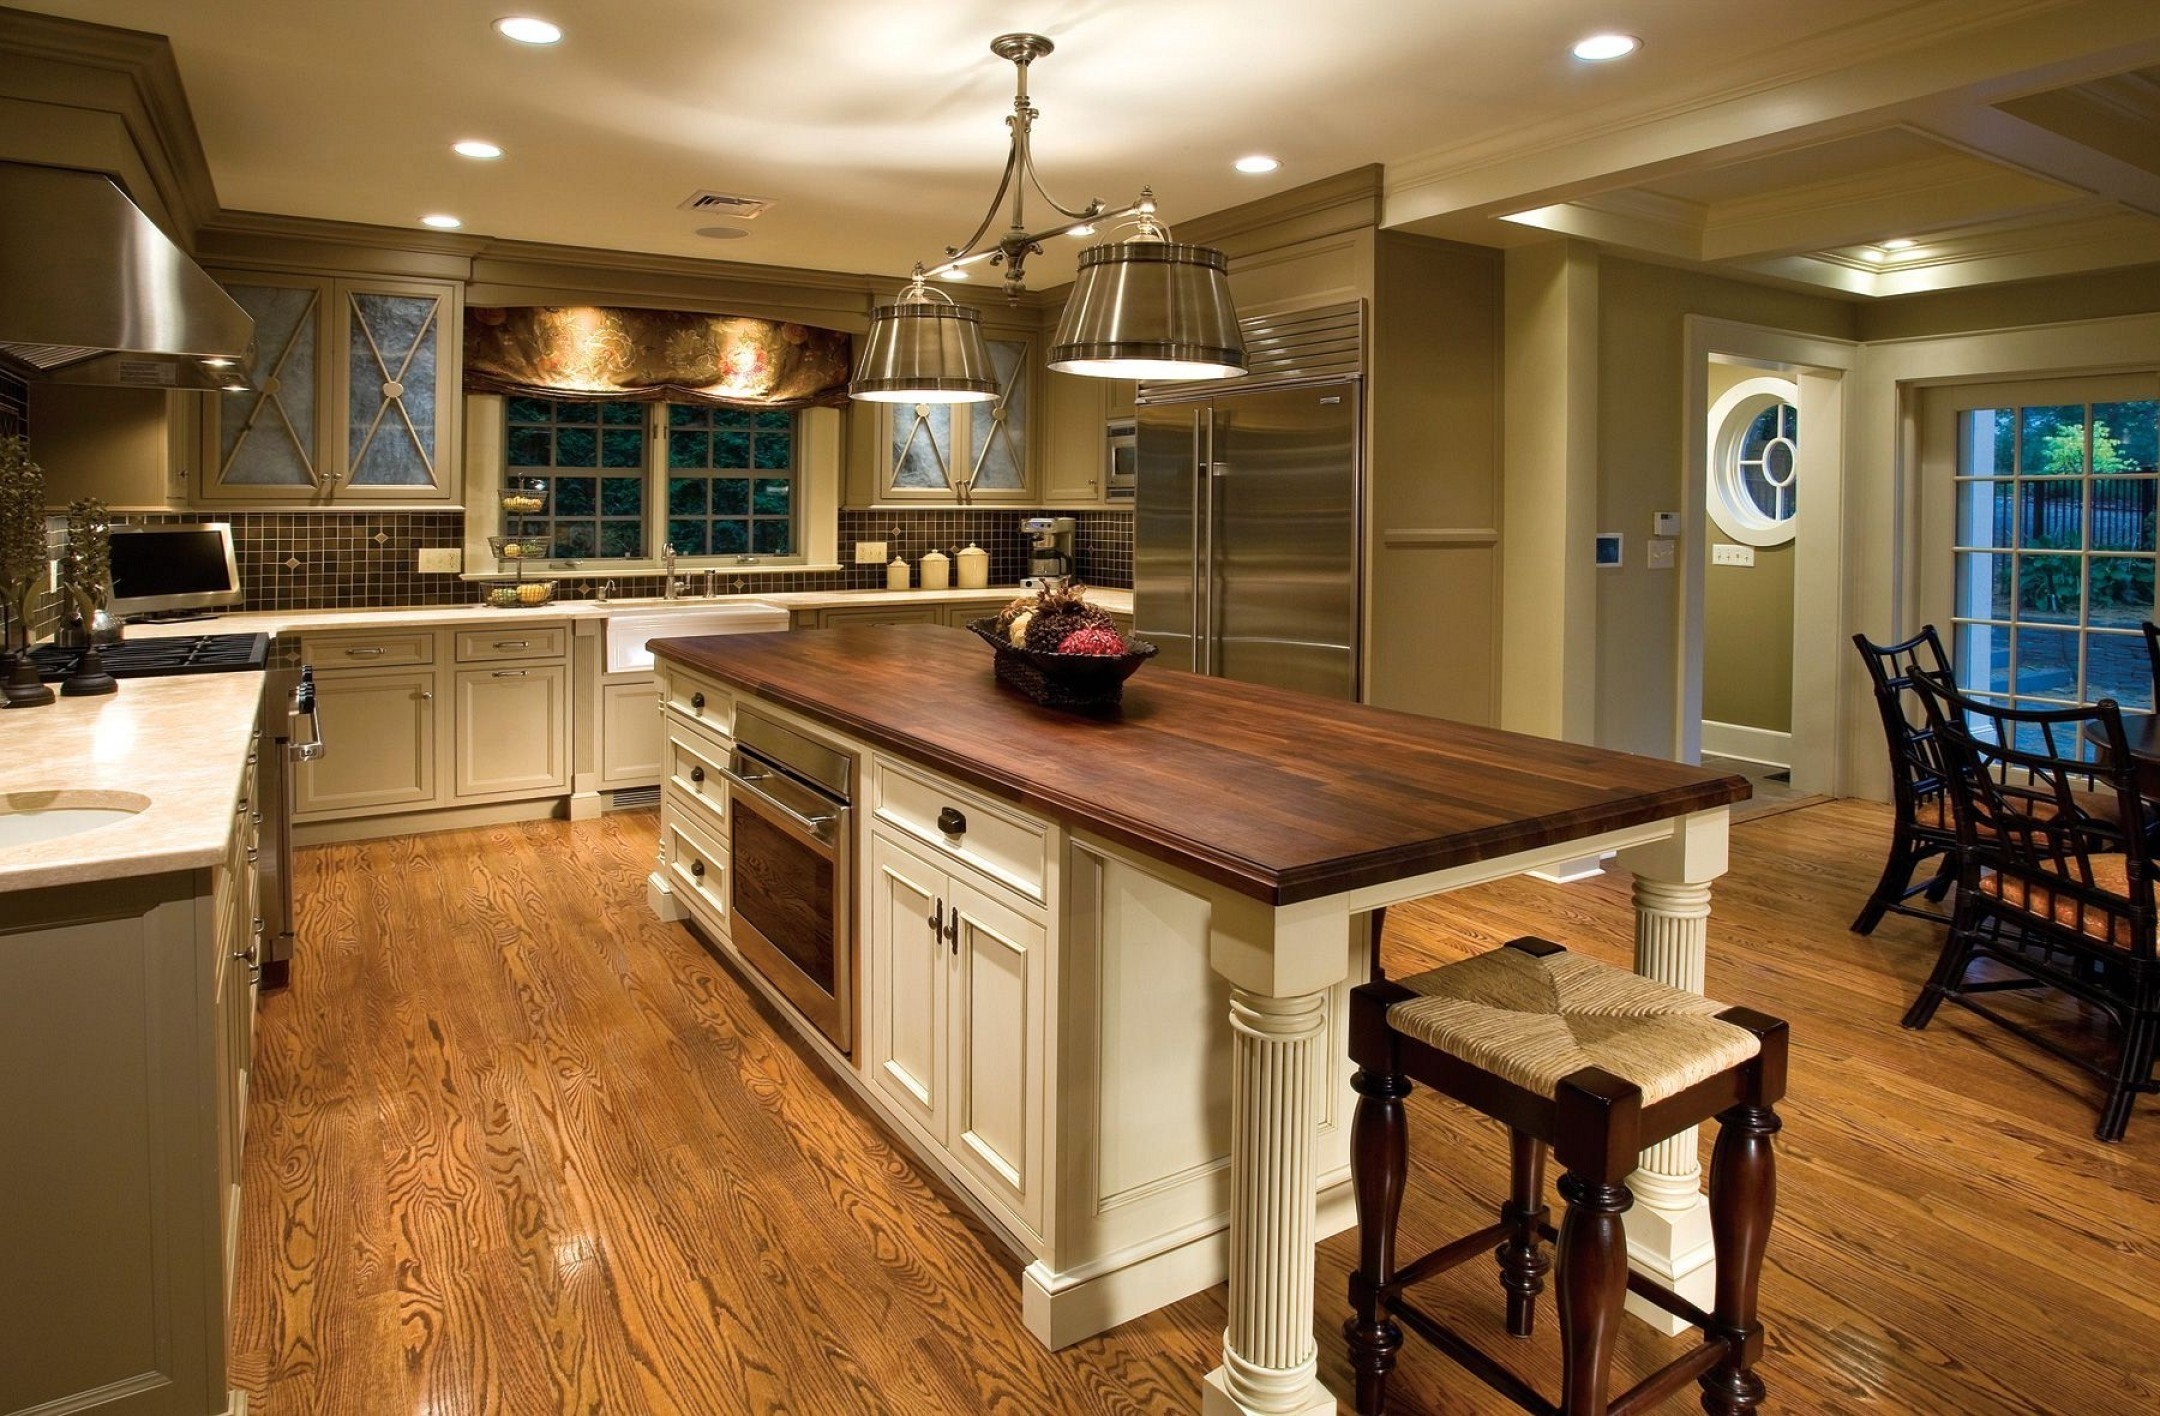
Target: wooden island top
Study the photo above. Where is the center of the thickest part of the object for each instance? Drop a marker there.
(1277, 795)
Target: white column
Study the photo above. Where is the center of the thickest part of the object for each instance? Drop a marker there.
(1668, 1230)
(1280, 964)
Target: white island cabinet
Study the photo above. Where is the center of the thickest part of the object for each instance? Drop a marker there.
(1105, 957)
(129, 955)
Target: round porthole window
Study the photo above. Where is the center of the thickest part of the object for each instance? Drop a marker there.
(1755, 461)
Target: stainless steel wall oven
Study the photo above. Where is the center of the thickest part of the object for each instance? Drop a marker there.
(791, 837)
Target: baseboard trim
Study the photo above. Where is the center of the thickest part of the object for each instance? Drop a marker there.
(413, 823)
(1761, 745)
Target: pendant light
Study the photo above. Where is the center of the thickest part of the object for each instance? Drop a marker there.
(1144, 307)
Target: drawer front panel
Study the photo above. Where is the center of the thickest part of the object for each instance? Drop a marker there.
(694, 773)
(994, 839)
(478, 646)
(369, 651)
(696, 867)
(700, 700)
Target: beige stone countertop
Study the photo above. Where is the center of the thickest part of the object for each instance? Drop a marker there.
(421, 616)
(180, 742)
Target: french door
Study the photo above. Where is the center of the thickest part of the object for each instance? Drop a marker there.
(2038, 548)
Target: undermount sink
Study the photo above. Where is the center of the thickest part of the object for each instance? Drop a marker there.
(628, 630)
(27, 816)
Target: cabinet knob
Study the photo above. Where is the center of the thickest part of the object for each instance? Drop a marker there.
(427, 695)
(952, 822)
(697, 867)
(697, 774)
(697, 700)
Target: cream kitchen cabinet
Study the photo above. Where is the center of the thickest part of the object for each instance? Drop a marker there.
(355, 398)
(956, 1003)
(512, 730)
(928, 452)
(385, 745)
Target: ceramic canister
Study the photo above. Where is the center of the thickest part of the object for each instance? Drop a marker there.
(896, 575)
(935, 570)
(972, 564)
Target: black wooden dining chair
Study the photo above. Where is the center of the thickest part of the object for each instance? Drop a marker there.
(2152, 656)
(1922, 830)
(2056, 876)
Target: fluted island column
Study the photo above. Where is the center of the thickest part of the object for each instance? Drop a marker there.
(1668, 1230)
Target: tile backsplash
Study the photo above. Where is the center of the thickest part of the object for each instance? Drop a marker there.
(358, 560)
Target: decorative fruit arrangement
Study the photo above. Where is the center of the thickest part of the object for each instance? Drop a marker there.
(1060, 621)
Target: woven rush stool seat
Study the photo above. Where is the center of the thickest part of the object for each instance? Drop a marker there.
(1594, 1063)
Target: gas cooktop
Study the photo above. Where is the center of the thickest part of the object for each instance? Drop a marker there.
(157, 658)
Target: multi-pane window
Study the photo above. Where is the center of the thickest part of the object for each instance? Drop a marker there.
(2055, 551)
(1755, 461)
(730, 481)
(1766, 461)
(720, 481)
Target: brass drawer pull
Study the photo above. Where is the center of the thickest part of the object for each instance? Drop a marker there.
(370, 653)
(511, 673)
(513, 643)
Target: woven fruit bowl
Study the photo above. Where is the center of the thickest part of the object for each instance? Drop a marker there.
(1063, 680)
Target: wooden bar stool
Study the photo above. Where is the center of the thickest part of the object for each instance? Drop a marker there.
(1597, 1063)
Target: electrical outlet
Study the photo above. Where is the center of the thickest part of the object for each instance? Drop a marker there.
(1657, 555)
(869, 553)
(441, 560)
(1725, 553)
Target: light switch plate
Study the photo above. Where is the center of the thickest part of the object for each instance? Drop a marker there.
(441, 560)
(1657, 555)
(869, 553)
(1725, 553)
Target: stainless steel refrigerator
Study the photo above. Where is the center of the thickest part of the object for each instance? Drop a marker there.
(1245, 536)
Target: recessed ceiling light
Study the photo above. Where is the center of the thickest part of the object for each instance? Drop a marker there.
(1600, 47)
(1257, 162)
(525, 29)
(1899, 243)
(722, 233)
(441, 222)
(473, 147)
(1871, 254)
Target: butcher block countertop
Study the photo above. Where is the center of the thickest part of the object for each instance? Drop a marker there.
(1277, 795)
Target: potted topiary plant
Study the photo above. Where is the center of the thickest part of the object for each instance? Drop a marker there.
(86, 580)
(22, 568)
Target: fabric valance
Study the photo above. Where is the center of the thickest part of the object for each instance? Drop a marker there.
(654, 356)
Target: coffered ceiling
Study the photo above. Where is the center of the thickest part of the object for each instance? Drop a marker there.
(1786, 140)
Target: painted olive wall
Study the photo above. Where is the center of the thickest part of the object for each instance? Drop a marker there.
(1747, 621)
(1641, 450)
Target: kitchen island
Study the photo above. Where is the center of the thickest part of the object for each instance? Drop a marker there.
(1135, 1066)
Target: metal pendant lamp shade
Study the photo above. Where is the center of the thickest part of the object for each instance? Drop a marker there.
(920, 351)
(1150, 309)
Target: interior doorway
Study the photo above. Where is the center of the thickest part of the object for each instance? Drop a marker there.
(1761, 624)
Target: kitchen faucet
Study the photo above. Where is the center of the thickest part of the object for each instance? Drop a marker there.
(667, 571)
(607, 588)
(712, 582)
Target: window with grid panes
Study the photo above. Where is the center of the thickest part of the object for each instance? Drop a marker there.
(730, 481)
(593, 457)
(2055, 551)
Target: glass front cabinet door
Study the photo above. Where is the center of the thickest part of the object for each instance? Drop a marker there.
(966, 452)
(354, 397)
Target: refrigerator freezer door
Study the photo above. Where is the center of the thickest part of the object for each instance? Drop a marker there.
(1281, 603)
(1166, 539)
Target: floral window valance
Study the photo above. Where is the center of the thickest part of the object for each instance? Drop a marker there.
(654, 356)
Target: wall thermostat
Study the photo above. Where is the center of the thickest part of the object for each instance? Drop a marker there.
(1664, 523)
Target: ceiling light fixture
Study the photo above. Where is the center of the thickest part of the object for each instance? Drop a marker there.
(441, 222)
(473, 147)
(526, 29)
(1256, 163)
(1899, 243)
(1599, 48)
(1145, 307)
(1872, 254)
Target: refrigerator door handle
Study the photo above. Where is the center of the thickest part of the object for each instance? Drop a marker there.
(1203, 570)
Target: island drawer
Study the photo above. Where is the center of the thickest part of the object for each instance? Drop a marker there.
(478, 646)
(696, 869)
(369, 651)
(963, 825)
(695, 772)
(700, 699)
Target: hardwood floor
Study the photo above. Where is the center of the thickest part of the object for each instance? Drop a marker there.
(516, 1147)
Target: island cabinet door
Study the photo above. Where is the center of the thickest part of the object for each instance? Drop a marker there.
(907, 965)
(997, 958)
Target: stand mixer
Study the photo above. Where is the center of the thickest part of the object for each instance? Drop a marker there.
(1050, 551)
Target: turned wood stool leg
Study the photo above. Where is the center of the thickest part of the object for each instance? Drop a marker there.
(1379, 1158)
(1743, 1202)
(1596, 1137)
(1523, 1263)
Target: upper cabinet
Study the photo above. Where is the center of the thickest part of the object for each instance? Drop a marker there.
(355, 397)
(929, 451)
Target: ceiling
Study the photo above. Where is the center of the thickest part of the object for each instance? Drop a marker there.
(1779, 139)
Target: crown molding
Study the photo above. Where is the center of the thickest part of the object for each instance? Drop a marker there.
(1347, 201)
(151, 102)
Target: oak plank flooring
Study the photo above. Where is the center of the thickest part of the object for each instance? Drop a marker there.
(517, 1147)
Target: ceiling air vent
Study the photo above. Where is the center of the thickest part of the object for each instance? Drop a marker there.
(726, 204)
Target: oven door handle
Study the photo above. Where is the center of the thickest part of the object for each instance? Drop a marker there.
(312, 749)
(813, 825)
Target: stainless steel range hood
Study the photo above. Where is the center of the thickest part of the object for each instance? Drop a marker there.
(92, 292)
